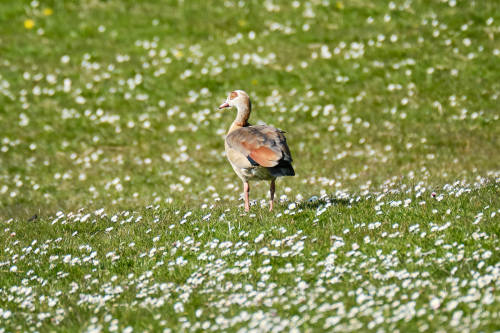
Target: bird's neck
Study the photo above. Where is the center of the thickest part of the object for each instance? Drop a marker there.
(241, 118)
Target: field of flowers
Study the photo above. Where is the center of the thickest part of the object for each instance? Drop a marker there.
(119, 211)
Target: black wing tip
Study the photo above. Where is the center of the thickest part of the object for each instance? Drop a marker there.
(284, 168)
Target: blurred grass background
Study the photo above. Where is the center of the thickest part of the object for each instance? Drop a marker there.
(370, 92)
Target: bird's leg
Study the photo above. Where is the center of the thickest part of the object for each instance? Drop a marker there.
(246, 190)
(271, 191)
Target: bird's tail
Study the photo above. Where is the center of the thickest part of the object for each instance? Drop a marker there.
(284, 168)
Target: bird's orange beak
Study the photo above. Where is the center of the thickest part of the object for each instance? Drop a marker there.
(224, 105)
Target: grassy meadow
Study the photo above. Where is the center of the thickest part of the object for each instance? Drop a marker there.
(120, 213)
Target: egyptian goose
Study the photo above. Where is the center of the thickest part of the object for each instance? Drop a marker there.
(255, 152)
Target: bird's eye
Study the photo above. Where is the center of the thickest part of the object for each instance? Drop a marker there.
(233, 95)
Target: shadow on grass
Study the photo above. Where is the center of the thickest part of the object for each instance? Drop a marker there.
(314, 202)
(19, 212)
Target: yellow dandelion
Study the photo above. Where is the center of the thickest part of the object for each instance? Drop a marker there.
(178, 54)
(254, 82)
(48, 11)
(339, 5)
(242, 23)
(29, 24)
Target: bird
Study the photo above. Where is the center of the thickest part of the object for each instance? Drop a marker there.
(256, 152)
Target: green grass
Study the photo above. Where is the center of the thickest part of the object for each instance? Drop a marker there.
(383, 103)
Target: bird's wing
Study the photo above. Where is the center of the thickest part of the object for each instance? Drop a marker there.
(262, 145)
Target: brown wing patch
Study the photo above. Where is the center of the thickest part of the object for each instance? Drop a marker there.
(233, 95)
(264, 156)
(265, 145)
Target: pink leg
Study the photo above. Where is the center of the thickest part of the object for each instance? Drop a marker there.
(271, 191)
(246, 190)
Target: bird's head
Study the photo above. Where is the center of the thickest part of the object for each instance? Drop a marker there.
(237, 98)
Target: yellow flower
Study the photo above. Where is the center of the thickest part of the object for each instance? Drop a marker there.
(48, 11)
(178, 54)
(29, 24)
(242, 23)
(254, 82)
(340, 5)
